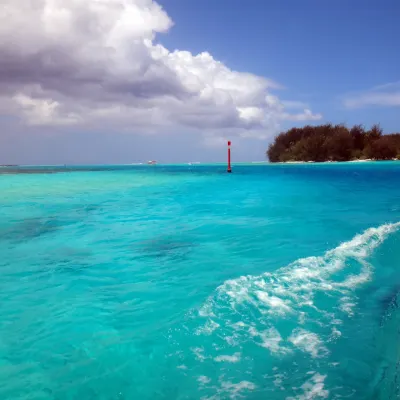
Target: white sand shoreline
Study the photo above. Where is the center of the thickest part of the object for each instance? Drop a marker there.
(334, 162)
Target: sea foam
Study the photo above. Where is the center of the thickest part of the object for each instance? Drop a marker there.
(294, 309)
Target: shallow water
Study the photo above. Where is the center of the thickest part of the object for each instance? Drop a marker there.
(184, 282)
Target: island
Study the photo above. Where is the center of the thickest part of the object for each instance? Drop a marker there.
(334, 143)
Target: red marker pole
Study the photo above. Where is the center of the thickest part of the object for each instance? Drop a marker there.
(229, 157)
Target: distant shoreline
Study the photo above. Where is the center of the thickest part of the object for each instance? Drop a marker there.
(333, 162)
(56, 169)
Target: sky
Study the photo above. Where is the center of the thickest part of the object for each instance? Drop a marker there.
(124, 81)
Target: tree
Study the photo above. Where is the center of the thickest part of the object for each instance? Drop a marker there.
(357, 132)
(383, 149)
(374, 133)
(336, 143)
(274, 151)
(339, 146)
(314, 148)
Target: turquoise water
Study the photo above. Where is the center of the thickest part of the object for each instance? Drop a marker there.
(184, 282)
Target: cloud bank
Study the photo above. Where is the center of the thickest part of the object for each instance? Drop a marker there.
(96, 64)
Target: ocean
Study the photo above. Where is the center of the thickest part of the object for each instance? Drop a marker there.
(185, 282)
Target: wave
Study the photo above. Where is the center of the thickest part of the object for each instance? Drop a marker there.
(296, 310)
(292, 289)
(385, 385)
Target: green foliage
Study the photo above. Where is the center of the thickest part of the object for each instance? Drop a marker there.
(383, 149)
(334, 143)
(357, 132)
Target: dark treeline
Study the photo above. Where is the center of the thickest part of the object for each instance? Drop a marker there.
(334, 143)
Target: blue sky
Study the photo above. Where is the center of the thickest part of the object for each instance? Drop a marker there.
(322, 62)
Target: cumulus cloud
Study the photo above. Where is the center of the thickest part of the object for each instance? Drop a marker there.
(96, 64)
(386, 95)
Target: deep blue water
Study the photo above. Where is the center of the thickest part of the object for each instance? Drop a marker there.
(184, 282)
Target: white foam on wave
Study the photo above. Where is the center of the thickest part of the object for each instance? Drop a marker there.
(233, 390)
(226, 389)
(298, 281)
(226, 358)
(296, 309)
(275, 304)
(208, 328)
(199, 353)
(270, 339)
(335, 333)
(347, 305)
(308, 342)
(312, 389)
(204, 379)
(310, 292)
(362, 245)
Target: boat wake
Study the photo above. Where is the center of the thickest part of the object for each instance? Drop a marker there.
(295, 314)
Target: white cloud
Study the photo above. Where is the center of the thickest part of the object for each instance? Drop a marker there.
(386, 95)
(389, 86)
(95, 64)
(306, 115)
(43, 111)
(290, 104)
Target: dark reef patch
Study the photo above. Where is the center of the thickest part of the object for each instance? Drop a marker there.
(165, 247)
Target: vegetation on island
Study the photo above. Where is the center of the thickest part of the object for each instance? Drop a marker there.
(334, 143)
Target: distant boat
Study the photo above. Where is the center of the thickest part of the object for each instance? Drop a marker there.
(151, 162)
